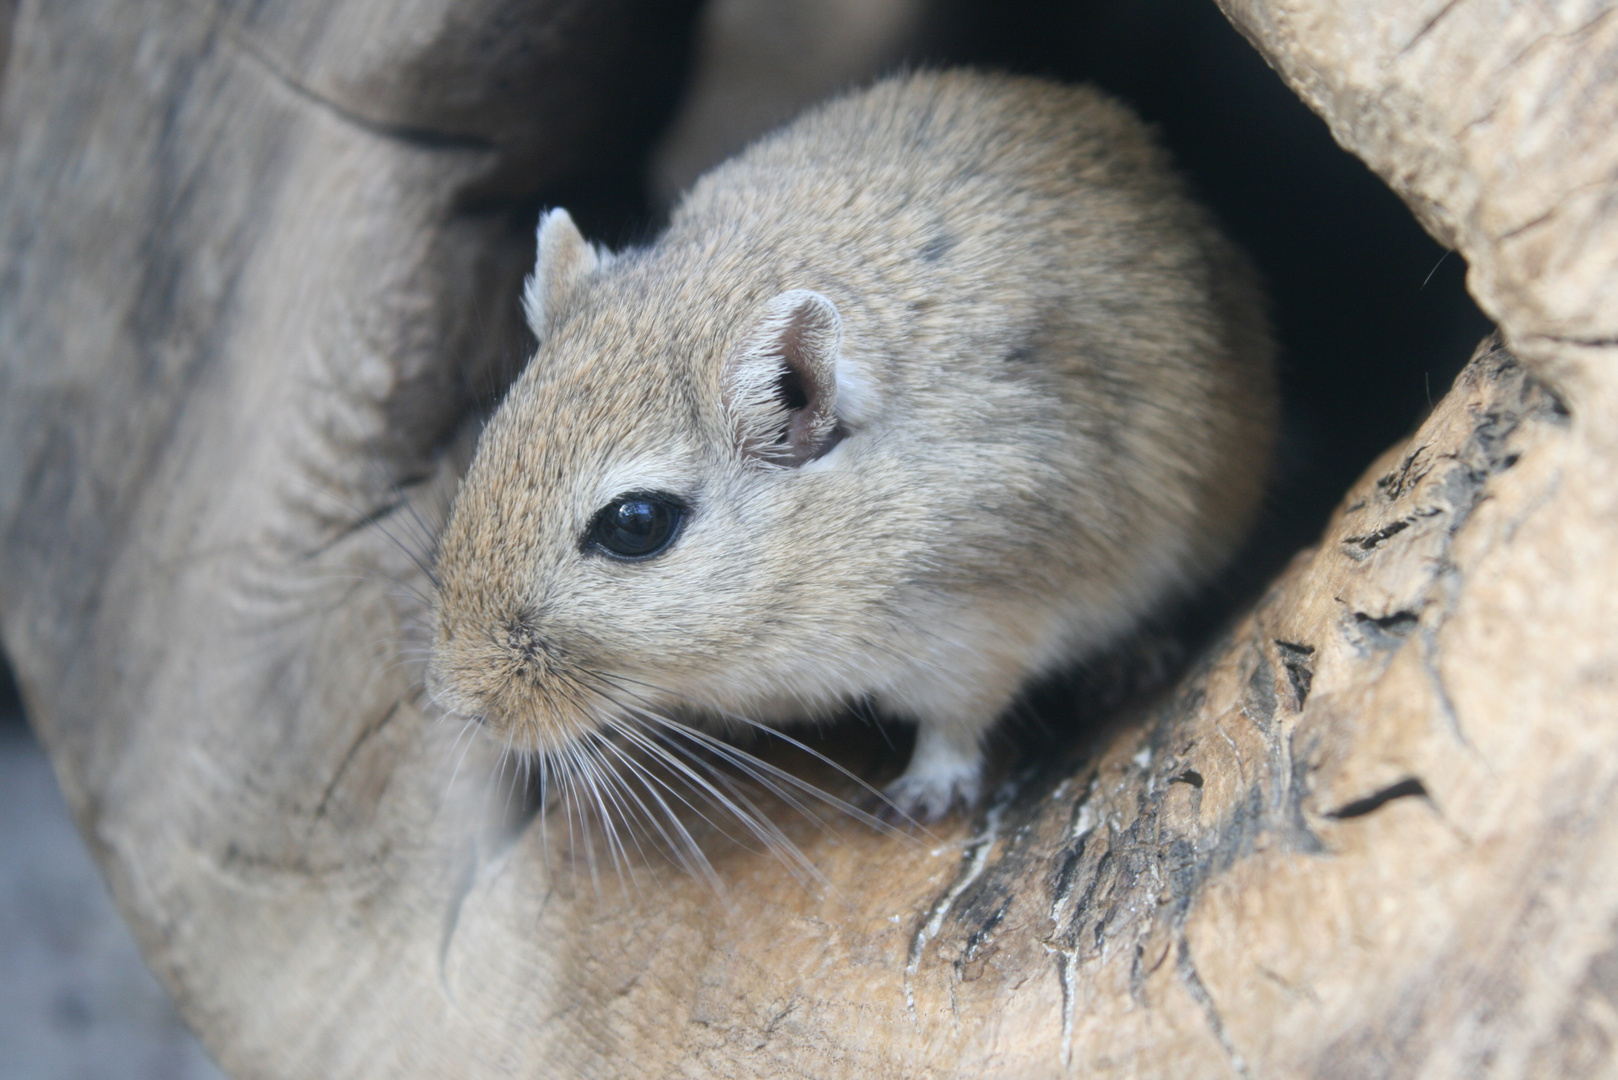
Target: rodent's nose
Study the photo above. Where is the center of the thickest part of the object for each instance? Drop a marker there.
(524, 639)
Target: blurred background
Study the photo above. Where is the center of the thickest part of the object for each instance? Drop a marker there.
(1372, 316)
(76, 999)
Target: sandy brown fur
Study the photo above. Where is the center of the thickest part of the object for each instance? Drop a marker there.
(1060, 414)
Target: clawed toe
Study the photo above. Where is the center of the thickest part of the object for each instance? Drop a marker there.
(924, 801)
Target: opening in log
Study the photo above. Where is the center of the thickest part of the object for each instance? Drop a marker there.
(261, 279)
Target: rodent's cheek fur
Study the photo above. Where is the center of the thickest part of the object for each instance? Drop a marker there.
(762, 593)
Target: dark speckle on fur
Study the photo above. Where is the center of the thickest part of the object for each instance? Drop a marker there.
(937, 246)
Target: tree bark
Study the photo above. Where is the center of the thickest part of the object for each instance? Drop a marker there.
(261, 264)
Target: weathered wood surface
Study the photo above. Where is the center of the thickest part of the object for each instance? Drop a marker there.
(257, 271)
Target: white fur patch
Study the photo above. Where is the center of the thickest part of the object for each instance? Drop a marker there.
(856, 392)
(941, 774)
(672, 473)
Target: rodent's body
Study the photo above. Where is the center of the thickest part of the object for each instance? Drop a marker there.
(947, 383)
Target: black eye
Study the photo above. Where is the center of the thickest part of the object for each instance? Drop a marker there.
(637, 526)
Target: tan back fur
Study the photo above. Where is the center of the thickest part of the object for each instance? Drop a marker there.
(1054, 405)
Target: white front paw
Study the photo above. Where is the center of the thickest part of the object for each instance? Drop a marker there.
(940, 776)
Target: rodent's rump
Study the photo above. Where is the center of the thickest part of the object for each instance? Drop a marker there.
(935, 390)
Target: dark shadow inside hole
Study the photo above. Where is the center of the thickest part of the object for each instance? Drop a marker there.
(11, 715)
(1372, 316)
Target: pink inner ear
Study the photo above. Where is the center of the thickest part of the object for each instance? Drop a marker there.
(780, 383)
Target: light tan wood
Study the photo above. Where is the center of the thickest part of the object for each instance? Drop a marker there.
(245, 305)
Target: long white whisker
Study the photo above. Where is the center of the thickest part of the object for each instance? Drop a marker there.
(774, 777)
(686, 850)
(713, 798)
(576, 803)
(775, 839)
(587, 783)
(565, 797)
(738, 808)
(606, 779)
(470, 725)
(684, 847)
(609, 824)
(375, 518)
(638, 738)
(544, 809)
(594, 781)
(800, 745)
(511, 788)
(741, 759)
(777, 781)
(741, 807)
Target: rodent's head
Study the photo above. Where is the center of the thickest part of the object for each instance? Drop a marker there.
(617, 542)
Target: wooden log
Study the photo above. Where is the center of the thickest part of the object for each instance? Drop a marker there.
(257, 276)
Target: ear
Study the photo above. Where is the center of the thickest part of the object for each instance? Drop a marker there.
(780, 383)
(563, 260)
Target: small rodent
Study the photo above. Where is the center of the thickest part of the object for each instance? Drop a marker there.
(934, 391)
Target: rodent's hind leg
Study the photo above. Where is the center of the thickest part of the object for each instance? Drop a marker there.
(945, 771)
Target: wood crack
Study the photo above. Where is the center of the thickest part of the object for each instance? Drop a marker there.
(973, 861)
(421, 137)
(1427, 27)
(1210, 1012)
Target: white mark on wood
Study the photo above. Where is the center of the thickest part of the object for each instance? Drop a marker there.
(1084, 822)
(1067, 962)
(975, 858)
(1241, 767)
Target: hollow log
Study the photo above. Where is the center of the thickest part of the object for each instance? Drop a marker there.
(259, 275)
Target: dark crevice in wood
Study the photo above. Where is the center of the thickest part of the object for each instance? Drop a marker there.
(1385, 631)
(424, 138)
(1298, 661)
(1216, 1024)
(1404, 789)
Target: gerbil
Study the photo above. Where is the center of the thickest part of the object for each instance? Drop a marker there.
(935, 390)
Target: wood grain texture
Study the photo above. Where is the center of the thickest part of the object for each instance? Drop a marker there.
(247, 306)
